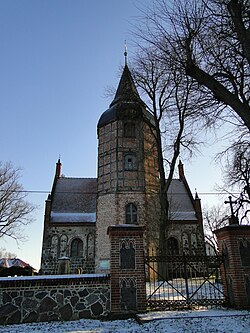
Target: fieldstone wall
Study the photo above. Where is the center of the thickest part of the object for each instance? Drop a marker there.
(68, 297)
(57, 243)
(189, 235)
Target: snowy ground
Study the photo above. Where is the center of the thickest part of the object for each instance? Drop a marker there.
(206, 321)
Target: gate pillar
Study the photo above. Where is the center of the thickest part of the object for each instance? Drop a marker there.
(234, 245)
(127, 269)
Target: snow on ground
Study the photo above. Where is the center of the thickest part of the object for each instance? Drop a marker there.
(206, 321)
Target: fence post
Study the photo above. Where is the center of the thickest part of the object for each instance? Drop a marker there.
(234, 245)
(186, 277)
(127, 269)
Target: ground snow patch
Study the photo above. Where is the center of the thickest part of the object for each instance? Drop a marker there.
(212, 321)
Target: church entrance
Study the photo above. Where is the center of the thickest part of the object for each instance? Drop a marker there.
(185, 282)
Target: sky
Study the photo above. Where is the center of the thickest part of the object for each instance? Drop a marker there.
(57, 59)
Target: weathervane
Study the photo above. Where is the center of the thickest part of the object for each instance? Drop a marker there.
(126, 51)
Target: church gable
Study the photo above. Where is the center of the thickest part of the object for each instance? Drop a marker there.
(181, 206)
(69, 226)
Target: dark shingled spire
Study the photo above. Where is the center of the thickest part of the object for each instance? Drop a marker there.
(126, 100)
(126, 91)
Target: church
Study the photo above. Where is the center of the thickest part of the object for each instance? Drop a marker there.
(78, 211)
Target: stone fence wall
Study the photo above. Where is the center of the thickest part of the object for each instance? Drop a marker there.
(58, 297)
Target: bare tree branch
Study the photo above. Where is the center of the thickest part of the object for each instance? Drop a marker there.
(15, 211)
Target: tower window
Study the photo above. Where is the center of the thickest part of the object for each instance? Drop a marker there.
(131, 214)
(130, 162)
(129, 130)
(77, 248)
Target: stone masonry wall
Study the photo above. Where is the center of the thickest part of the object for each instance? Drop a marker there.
(58, 244)
(38, 299)
(189, 236)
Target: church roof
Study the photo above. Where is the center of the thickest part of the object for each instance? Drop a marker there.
(74, 200)
(181, 205)
(126, 97)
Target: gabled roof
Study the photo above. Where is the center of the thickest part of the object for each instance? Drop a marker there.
(74, 195)
(74, 199)
(181, 204)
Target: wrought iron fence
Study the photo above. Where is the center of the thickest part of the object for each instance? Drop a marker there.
(183, 281)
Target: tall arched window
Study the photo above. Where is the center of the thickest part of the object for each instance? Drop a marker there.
(131, 214)
(172, 246)
(77, 248)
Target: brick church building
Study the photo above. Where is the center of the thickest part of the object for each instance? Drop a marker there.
(79, 211)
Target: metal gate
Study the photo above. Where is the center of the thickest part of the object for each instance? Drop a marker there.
(175, 282)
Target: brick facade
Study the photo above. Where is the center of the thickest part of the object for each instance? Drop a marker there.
(234, 244)
(127, 269)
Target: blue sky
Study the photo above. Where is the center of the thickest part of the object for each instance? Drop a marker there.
(57, 58)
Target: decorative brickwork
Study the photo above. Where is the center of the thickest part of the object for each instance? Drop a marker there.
(234, 244)
(127, 269)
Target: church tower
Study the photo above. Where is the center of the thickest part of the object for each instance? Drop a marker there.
(127, 165)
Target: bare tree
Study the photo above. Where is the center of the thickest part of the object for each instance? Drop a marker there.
(170, 99)
(236, 159)
(214, 218)
(14, 209)
(210, 41)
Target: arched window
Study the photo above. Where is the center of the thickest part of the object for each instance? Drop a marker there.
(172, 246)
(130, 162)
(129, 130)
(77, 248)
(131, 214)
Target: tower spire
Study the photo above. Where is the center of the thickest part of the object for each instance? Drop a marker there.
(125, 52)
